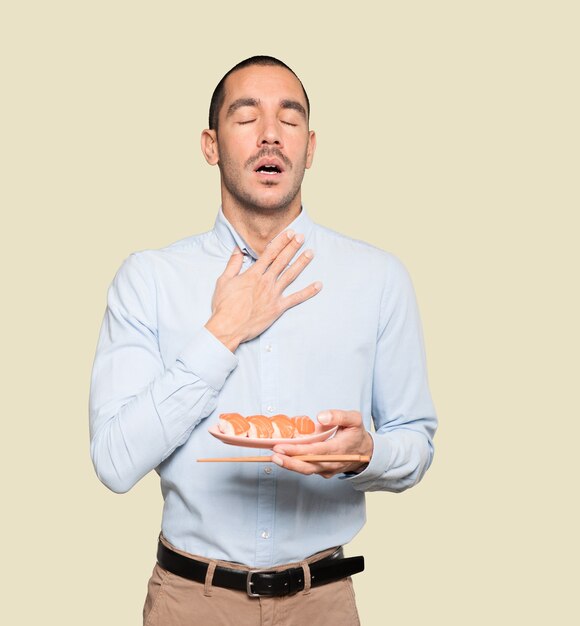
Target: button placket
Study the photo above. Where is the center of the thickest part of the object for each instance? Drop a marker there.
(269, 381)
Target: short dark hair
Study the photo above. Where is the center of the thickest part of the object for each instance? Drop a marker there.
(219, 94)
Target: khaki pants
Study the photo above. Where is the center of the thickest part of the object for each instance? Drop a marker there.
(175, 601)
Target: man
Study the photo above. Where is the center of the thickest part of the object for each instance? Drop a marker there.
(267, 313)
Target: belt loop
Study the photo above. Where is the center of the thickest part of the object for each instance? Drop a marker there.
(207, 588)
(307, 579)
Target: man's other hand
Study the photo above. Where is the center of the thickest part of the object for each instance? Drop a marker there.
(245, 305)
(351, 438)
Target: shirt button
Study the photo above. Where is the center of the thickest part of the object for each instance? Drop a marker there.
(265, 534)
(270, 409)
(269, 348)
(267, 470)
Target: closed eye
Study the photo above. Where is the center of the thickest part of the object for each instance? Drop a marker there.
(246, 122)
(289, 123)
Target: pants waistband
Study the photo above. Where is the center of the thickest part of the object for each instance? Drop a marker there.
(279, 581)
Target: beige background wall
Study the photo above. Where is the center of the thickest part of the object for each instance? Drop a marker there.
(448, 134)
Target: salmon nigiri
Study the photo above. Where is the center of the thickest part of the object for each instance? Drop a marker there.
(304, 425)
(283, 426)
(233, 424)
(260, 427)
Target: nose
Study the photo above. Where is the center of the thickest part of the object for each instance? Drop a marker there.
(269, 133)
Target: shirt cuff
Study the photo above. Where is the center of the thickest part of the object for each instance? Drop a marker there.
(207, 357)
(377, 466)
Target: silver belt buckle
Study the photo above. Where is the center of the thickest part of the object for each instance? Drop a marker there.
(249, 582)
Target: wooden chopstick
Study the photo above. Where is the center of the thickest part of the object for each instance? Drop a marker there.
(318, 458)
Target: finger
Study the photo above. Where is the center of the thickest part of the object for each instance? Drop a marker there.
(344, 419)
(326, 470)
(234, 264)
(302, 467)
(300, 296)
(280, 263)
(272, 250)
(296, 449)
(290, 275)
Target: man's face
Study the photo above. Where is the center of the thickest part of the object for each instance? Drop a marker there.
(263, 141)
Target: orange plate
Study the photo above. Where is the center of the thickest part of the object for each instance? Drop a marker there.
(322, 434)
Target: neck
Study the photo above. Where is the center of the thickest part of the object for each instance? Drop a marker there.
(258, 226)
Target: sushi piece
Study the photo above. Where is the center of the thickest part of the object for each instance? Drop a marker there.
(260, 427)
(283, 426)
(233, 424)
(304, 426)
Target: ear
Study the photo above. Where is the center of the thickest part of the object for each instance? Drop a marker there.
(311, 148)
(209, 146)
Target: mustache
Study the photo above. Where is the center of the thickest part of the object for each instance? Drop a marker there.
(270, 152)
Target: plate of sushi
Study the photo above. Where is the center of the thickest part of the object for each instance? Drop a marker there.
(259, 431)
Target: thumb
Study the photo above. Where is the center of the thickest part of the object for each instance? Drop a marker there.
(234, 264)
(344, 419)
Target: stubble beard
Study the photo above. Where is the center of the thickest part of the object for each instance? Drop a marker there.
(232, 181)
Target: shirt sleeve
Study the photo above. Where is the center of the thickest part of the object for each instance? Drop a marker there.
(402, 409)
(141, 410)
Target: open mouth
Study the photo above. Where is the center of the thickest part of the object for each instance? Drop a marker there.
(269, 169)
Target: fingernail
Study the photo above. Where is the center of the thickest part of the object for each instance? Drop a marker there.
(318, 286)
(237, 251)
(309, 254)
(299, 238)
(290, 233)
(325, 417)
(277, 460)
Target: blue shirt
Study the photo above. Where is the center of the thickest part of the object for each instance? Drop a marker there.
(160, 379)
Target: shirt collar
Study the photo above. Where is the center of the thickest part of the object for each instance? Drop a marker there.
(230, 238)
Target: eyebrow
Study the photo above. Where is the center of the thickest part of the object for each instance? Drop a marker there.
(241, 102)
(293, 104)
(253, 102)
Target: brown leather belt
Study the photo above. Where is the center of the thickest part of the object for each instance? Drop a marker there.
(259, 582)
